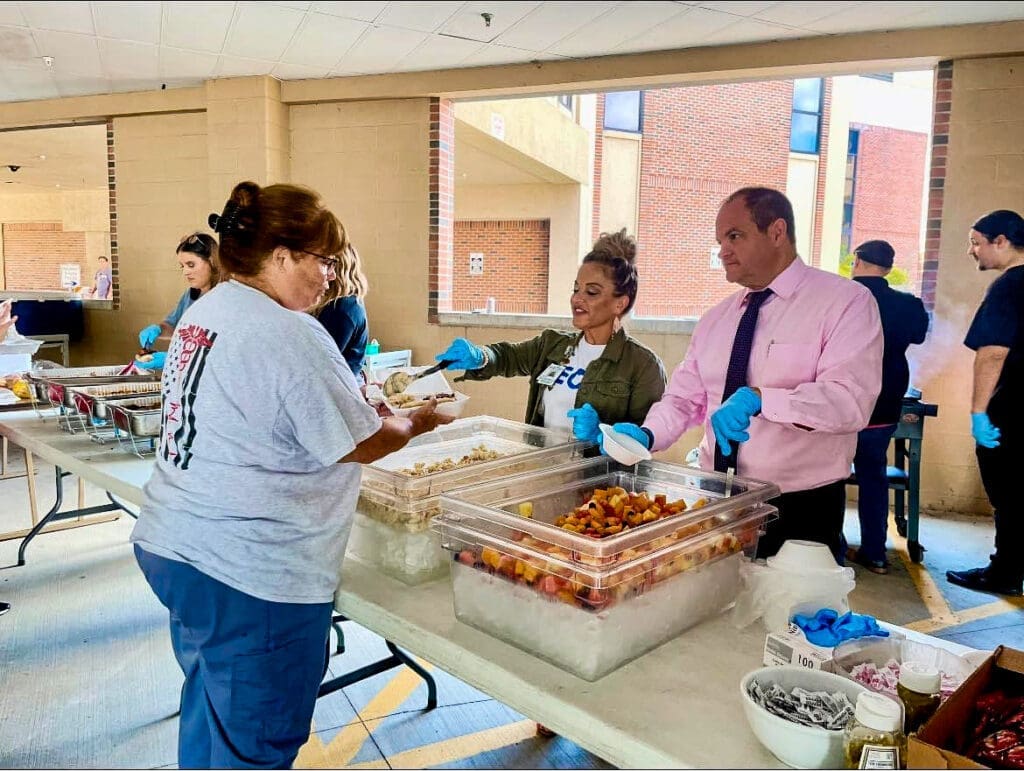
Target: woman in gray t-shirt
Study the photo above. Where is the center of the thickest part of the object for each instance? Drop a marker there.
(244, 523)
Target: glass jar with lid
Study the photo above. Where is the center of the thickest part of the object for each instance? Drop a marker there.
(918, 689)
(874, 739)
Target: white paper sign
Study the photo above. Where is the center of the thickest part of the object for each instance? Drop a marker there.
(716, 261)
(476, 263)
(70, 275)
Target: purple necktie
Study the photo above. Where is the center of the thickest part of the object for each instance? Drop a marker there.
(739, 359)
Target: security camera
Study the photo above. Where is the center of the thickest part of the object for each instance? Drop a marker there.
(13, 167)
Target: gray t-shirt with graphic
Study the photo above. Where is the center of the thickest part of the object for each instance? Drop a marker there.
(258, 405)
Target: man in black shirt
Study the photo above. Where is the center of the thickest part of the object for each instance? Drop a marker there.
(997, 405)
(904, 323)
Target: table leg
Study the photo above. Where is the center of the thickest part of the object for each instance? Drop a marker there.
(914, 547)
(55, 515)
(30, 475)
(396, 659)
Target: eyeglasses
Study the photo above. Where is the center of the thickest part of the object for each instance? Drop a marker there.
(330, 263)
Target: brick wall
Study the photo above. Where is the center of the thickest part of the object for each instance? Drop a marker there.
(515, 265)
(700, 144)
(887, 199)
(936, 181)
(34, 252)
(595, 227)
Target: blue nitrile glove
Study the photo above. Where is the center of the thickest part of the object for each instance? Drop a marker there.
(157, 362)
(149, 335)
(984, 433)
(629, 429)
(462, 354)
(827, 628)
(731, 421)
(584, 423)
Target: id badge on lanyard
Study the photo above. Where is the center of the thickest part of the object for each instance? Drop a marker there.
(550, 375)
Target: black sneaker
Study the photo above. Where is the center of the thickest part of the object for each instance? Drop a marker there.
(983, 580)
(4, 607)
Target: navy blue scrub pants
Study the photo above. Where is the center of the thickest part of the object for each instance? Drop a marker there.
(873, 490)
(252, 668)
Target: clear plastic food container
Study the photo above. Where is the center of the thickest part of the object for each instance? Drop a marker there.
(590, 604)
(392, 531)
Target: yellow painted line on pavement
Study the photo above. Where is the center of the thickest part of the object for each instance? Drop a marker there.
(467, 746)
(394, 694)
(341, 749)
(370, 764)
(925, 585)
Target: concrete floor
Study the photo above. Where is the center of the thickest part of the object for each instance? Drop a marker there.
(89, 679)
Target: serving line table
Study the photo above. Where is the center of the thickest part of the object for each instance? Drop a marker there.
(677, 706)
(106, 465)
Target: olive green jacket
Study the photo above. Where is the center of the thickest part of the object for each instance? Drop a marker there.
(621, 384)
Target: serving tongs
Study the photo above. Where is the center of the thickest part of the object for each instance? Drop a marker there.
(397, 382)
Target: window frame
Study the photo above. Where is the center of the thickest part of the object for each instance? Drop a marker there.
(639, 113)
(819, 114)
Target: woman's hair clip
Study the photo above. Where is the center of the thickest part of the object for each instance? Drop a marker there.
(227, 220)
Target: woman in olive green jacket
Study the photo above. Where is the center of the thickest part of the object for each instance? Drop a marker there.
(578, 379)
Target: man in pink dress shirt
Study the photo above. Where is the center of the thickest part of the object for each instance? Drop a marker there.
(814, 372)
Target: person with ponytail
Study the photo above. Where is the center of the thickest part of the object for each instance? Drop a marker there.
(597, 374)
(996, 335)
(197, 257)
(244, 522)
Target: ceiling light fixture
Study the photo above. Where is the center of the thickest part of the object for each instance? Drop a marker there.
(42, 157)
(48, 61)
(487, 18)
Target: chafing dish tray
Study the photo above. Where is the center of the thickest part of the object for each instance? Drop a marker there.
(96, 400)
(55, 390)
(136, 421)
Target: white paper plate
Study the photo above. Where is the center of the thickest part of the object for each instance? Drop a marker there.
(625, 449)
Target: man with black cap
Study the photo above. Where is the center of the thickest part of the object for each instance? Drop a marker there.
(904, 323)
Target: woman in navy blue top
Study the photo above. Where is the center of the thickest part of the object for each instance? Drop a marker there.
(342, 313)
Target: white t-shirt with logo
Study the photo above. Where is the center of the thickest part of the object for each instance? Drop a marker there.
(561, 397)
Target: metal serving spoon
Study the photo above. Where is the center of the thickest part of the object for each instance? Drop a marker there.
(397, 382)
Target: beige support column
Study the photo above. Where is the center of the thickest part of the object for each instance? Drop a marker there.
(247, 134)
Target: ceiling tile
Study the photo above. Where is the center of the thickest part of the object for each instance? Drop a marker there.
(21, 83)
(189, 65)
(495, 54)
(380, 49)
(623, 23)
(284, 71)
(72, 54)
(468, 22)
(879, 15)
(196, 26)
(439, 52)
(261, 31)
(683, 31)
(129, 59)
(81, 85)
(946, 13)
(551, 22)
(739, 7)
(750, 30)
(236, 67)
(11, 14)
(424, 17)
(59, 16)
(296, 6)
(798, 14)
(363, 11)
(18, 45)
(135, 83)
(128, 21)
(323, 40)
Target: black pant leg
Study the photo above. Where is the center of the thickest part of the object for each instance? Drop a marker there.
(808, 515)
(999, 468)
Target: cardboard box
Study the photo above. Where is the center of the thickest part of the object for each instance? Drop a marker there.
(793, 647)
(941, 740)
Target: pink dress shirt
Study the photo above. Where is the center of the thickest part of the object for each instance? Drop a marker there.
(817, 358)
